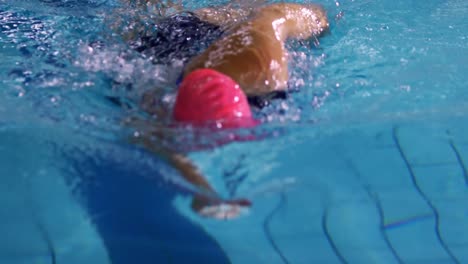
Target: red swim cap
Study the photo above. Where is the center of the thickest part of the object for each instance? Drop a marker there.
(206, 95)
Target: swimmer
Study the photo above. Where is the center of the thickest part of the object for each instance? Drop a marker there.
(248, 59)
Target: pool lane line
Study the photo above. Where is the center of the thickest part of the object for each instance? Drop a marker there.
(266, 228)
(460, 161)
(414, 181)
(378, 204)
(334, 247)
(46, 237)
(409, 220)
(230, 178)
(29, 203)
(42, 230)
(383, 228)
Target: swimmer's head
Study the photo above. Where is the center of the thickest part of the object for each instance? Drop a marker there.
(207, 97)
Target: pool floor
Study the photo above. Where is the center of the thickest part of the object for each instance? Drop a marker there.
(372, 193)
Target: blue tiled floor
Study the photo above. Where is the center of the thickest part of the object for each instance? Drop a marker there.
(393, 193)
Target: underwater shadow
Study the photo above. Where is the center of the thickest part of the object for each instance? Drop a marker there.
(130, 203)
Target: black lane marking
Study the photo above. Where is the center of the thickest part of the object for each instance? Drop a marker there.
(335, 249)
(460, 161)
(382, 228)
(374, 197)
(48, 241)
(266, 229)
(423, 195)
(433, 165)
(40, 226)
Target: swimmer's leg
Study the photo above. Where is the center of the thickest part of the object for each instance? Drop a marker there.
(233, 12)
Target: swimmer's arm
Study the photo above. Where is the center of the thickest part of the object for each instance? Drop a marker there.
(190, 172)
(219, 15)
(293, 20)
(206, 197)
(152, 142)
(206, 200)
(226, 15)
(222, 16)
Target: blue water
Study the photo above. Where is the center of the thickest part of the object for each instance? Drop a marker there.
(367, 163)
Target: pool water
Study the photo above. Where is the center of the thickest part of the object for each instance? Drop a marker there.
(366, 162)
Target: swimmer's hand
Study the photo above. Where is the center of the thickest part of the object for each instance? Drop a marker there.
(220, 209)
